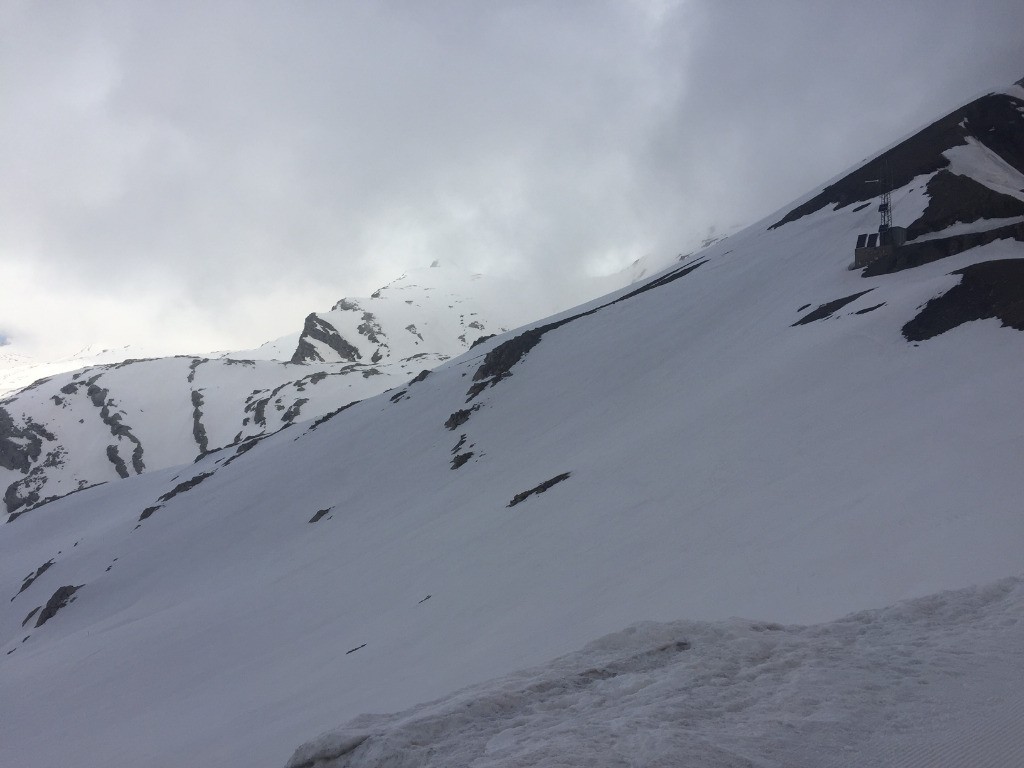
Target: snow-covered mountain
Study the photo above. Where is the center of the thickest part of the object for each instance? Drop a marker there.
(117, 418)
(758, 430)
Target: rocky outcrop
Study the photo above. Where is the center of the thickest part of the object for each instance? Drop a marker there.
(994, 120)
(58, 600)
(991, 289)
(316, 329)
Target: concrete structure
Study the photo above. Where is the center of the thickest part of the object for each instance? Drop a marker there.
(875, 245)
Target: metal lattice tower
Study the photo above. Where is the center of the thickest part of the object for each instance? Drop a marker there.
(885, 207)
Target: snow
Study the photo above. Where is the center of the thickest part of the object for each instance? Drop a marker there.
(980, 163)
(933, 682)
(722, 462)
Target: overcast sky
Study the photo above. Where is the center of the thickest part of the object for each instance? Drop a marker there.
(204, 174)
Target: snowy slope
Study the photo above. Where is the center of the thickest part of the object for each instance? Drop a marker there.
(758, 431)
(18, 368)
(933, 682)
(109, 421)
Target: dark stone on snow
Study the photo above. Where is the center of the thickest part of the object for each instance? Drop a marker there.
(98, 397)
(869, 309)
(480, 340)
(187, 485)
(459, 418)
(147, 513)
(20, 446)
(331, 415)
(24, 492)
(115, 458)
(57, 600)
(33, 576)
(538, 489)
(318, 329)
(461, 459)
(34, 500)
(198, 429)
(294, 409)
(828, 309)
(956, 199)
(991, 289)
(31, 613)
(320, 514)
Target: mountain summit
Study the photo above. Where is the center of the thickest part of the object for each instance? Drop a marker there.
(756, 431)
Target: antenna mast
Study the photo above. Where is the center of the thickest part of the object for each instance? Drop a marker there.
(885, 207)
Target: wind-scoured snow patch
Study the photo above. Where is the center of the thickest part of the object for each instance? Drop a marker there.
(895, 684)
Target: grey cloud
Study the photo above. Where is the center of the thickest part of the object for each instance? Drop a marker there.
(225, 147)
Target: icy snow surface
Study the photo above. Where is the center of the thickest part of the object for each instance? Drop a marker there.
(935, 682)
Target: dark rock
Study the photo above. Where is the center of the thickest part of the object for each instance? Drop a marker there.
(461, 459)
(57, 600)
(371, 329)
(828, 309)
(115, 458)
(198, 428)
(956, 199)
(318, 329)
(185, 486)
(31, 613)
(33, 576)
(869, 309)
(991, 289)
(147, 513)
(538, 489)
(20, 446)
(320, 514)
(294, 409)
(24, 492)
(328, 416)
(460, 417)
(99, 398)
(992, 120)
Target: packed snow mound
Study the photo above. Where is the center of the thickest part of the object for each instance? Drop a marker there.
(935, 681)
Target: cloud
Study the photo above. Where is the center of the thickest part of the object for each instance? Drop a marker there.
(207, 155)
